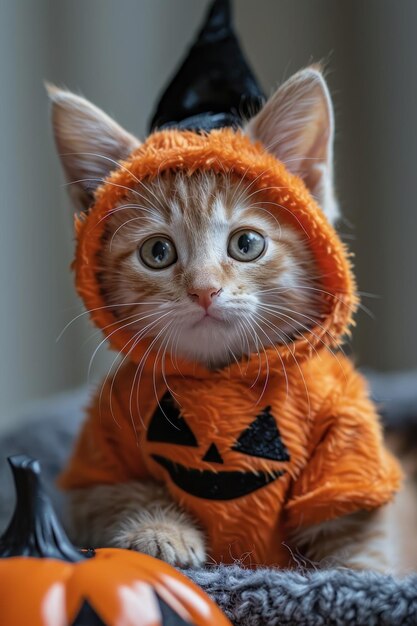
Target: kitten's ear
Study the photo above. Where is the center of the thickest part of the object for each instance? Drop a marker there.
(89, 143)
(297, 126)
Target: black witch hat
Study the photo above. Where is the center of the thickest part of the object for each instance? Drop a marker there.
(214, 86)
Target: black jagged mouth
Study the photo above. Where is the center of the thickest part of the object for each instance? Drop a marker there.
(216, 485)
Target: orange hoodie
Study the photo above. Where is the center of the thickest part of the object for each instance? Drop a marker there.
(251, 451)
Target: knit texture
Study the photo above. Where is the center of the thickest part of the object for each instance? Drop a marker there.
(268, 597)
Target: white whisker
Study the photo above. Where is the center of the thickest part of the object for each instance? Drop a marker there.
(107, 337)
(139, 371)
(266, 359)
(107, 306)
(276, 349)
(138, 336)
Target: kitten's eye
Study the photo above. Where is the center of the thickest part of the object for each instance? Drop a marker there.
(246, 245)
(158, 253)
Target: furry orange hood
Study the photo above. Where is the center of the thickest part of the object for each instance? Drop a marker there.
(230, 152)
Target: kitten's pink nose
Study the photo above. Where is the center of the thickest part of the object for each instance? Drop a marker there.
(204, 297)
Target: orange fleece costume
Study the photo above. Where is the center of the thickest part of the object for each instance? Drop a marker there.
(250, 464)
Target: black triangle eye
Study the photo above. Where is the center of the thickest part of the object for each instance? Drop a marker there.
(168, 426)
(87, 616)
(213, 455)
(263, 439)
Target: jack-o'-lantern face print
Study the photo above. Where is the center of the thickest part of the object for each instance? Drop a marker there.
(207, 476)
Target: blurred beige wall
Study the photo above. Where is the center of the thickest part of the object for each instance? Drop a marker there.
(119, 54)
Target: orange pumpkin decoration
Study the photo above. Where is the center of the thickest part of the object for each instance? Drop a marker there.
(45, 581)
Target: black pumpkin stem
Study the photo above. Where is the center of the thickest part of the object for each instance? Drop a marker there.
(34, 529)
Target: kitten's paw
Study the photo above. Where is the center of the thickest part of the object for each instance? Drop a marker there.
(167, 535)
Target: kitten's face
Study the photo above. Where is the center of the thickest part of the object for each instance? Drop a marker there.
(207, 271)
(199, 264)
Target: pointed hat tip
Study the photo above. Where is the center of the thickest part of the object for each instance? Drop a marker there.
(214, 87)
(218, 20)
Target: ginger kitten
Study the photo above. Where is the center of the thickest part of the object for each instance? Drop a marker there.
(167, 270)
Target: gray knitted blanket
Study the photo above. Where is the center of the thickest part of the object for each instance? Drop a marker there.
(267, 597)
(261, 597)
